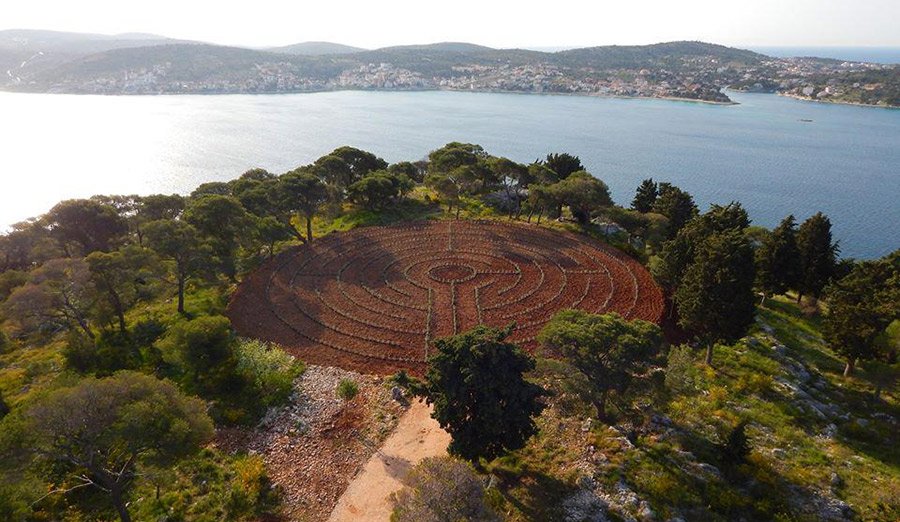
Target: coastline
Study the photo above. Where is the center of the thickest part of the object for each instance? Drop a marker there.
(436, 89)
(837, 102)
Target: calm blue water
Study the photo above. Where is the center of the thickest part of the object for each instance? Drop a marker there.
(855, 54)
(846, 162)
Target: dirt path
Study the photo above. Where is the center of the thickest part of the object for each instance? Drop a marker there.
(367, 497)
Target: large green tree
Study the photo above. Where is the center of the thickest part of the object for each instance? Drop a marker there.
(715, 299)
(481, 397)
(515, 179)
(778, 259)
(101, 432)
(678, 253)
(88, 224)
(379, 189)
(58, 294)
(119, 277)
(203, 350)
(584, 194)
(181, 243)
(563, 164)
(225, 224)
(677, 205)
(817, 255)
(860, 308)
(299, 192)
(609, 351)
(645, 196)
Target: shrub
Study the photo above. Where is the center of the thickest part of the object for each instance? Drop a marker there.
(267, 369)
(736, 448)
(202, 349)
(682, 376)
(251, 489)
(110, 352)
(347, 389)
(147, 331)
(442, 488)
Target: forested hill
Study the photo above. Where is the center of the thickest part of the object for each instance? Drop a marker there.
(35, 61)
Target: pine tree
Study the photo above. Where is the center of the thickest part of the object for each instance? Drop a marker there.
(645, 196)
(817, 255)
(778, 260)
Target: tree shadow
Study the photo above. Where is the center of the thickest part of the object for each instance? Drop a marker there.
(534, 493)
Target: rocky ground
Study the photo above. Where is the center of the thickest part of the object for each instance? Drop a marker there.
(318, 442)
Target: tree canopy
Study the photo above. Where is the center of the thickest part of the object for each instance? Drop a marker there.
(817, 255)
(715, 299)
(608, 350)
(860, 308)
(481, 397)
(100, 432)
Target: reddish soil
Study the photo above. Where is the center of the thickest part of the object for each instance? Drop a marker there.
(372, 299)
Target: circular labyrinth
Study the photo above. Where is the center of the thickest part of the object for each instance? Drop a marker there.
(374, 298)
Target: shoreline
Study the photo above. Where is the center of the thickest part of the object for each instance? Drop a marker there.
(476, 91)
(837, 102)
(438, 89)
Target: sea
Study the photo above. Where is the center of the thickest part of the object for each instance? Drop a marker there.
(885, 55)
(775, 155)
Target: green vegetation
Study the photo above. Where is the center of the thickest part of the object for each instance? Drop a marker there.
(608, 351)
(98, 433)
(476, 383)
(347, 389)
(117, 361)
(442, 488)
(720, 444)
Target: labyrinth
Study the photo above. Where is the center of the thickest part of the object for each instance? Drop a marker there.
(374, 298)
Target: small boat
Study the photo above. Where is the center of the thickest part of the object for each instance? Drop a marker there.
(805, 120)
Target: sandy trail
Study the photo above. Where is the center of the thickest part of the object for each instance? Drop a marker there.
(367, 497)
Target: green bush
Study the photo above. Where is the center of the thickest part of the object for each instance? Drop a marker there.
(110, 352)
(736, 448)
(267, 369)
(443, 488)
(251, 492)
(210, 486)
(347, 389)
(682, 376)
(202, 350)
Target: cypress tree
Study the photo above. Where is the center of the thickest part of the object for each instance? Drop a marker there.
(817, 255)
(715, 299)
(645, 196)
(778, 260)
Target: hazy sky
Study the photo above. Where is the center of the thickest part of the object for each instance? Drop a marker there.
(373, 23)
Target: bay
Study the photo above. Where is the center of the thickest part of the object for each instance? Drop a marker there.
(763, 152)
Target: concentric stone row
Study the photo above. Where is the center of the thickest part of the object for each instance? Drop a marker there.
(374, 299)
(384, 293)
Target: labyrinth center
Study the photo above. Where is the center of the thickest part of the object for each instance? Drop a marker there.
(374, 298)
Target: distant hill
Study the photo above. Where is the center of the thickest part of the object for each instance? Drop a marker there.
(630, 56)
(75, 43)
(47, 61)
(26, 51)
(315, 49)
(453, 47)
